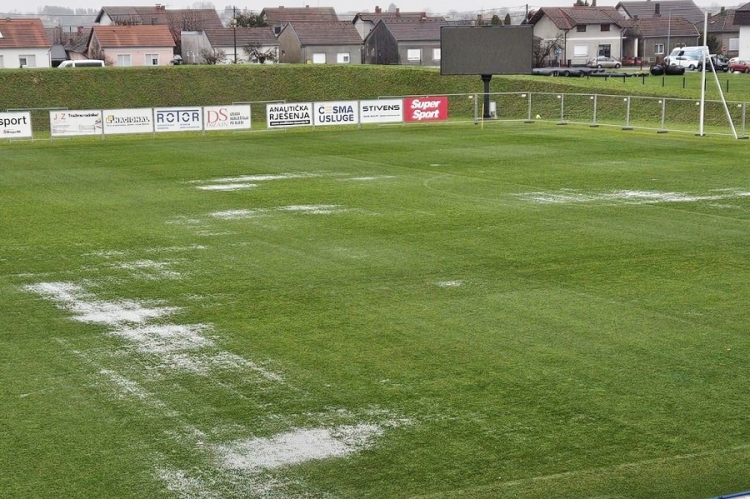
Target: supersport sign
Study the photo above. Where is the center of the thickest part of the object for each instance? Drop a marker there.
(426, 109)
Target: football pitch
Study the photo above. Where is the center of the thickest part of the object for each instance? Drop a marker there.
(509, 311)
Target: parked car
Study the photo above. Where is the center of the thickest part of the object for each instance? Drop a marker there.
(720, 63)
(604, 62)
(740, 66)
(686, 57)
(82, 63)
(631, 61)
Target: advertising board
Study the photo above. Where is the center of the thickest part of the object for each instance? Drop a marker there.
(418, 109)
(121, 121)
(226, 117)
(67, 123)
(178, 119)
(15, 125)
(381, 111)
(336, 113)
(289, 115)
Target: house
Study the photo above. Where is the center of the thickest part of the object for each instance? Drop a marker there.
(24, 44)
(412, 42)
(667, 9)
(177, 20)
(77, 44)
(320, 43)
(366, 21)
(280, 16)
(653, 38)
(742, 19)
(196, 44)
(580, 32)
(721, 25)
(132, 45)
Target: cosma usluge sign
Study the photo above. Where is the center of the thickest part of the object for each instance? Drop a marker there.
(235, 117)
(70, 123)
(336, 113)
(15, 125)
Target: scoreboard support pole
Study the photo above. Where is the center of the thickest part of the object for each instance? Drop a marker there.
(486, 107)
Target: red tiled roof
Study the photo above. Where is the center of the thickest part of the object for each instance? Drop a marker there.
(133, 36)
(23, 33)
(566, 18)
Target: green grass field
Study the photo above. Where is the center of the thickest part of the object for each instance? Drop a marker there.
(507, 311)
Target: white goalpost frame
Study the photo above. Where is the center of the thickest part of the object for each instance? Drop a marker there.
(706, 59)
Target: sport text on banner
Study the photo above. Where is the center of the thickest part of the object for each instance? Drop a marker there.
(15, 125)
(426, 109)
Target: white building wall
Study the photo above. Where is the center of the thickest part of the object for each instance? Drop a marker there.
(11, 57)
(744, 51)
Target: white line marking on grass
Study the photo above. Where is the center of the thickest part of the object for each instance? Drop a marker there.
(566, 196)
(227, 187)
(263, 177)
(366, 179)
(314, 209)
(449, 284)
(296, 447)
(235, 214)
(85, 308)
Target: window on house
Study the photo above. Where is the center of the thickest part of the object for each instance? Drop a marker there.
(658, 48)
(342, 58)
(414, 54)
(580, 51)
(581, 28)
(27, 61)
(1, 62)
(123, 60)
(734, 44)
(319, 59)
(436, 54)
(605, 27)
(152, 59)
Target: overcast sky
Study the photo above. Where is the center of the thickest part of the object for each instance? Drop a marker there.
(435, 6)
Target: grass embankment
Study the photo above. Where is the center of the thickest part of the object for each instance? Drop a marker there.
(103, 88)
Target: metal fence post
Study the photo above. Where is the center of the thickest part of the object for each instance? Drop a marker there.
(593, 123)
(627, 114)
(562, 109)
(663, 114)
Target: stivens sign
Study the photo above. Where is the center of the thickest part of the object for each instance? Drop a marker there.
(426, 109)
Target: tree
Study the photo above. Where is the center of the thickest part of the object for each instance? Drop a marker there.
(214, 56)
(250, 20)
(495, 21)
(204, 5)
(714, 46)
(543, 49)
(507, 21)
(255, 53)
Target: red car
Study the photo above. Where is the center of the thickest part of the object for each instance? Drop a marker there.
(739, 66)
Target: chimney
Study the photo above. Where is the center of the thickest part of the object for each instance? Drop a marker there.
(593, 3)
(398, 11)
(377, 10)
(657, 9)
(79, 30)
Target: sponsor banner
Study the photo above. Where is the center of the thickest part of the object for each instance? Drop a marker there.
(178, 119)
(336, 113)
(226, 117)
(286, 115)
(381, 111)
(14, 125)
(426, 109)
(66, 123)
(119, 121)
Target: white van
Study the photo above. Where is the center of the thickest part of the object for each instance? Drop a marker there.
(82, 63)
(686, 57)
